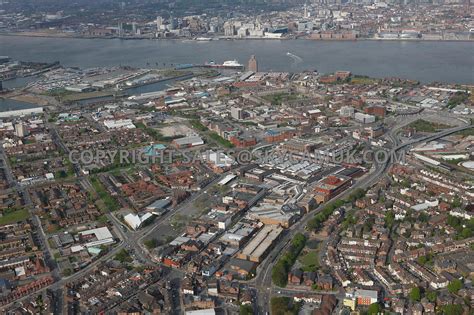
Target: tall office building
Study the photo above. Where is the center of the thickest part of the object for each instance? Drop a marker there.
(229, 29)
(159, 22)
(173, 23)
(120, 29)
(21, 130)
(237, 113)
(253, 65)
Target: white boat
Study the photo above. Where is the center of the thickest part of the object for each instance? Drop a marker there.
(232, 63)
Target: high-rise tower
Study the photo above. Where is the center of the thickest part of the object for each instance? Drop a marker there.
(253, 65)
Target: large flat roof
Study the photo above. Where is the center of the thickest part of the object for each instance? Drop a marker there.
(264, 239)
(100, 233)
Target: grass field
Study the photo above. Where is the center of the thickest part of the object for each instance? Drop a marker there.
(85, 95)
(223, 142)
(426, 126)
(14, 216)
(362, 80)
(109, 202)
(313, 244)
(466, 133)
(310, 260)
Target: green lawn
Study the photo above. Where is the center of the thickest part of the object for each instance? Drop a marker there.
(426, 126)
(196, 124)
(110, 202)
(14, 216)
(363, 80)
(466, 133)
(123, 256)
(313, 244)
(225, 143)
(279, 98)
(310, 260)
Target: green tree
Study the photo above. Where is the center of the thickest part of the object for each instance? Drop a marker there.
(151, 243)
(454, 286)
(279, 274)
(61, 174)
(374, 309)
(453, 221)
(357, 194)
(103, 219)
(466, 233)
(431, 296)
(422, 260)
(415, 294)
(123, 256)
(284, 306)
(454, 309)
(246, 310)
(282, 267)
(389, 219)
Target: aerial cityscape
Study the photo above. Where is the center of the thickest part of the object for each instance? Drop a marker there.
(237, 157)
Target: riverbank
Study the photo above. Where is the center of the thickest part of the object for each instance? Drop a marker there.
(73, 36)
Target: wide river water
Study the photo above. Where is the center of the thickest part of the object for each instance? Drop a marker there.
(419, 60)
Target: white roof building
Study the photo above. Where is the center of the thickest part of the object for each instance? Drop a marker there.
(119, 123)
(189, 141)
(364, 118)
(100, 233)
(219, 159)
(209, 311)
(135, 221)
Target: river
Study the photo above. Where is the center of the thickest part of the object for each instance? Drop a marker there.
(9, 104)
(426, 61)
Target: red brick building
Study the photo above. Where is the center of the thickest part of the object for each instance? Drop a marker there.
(331, 186)
(378, 111)
(241, 142)
(279, 134)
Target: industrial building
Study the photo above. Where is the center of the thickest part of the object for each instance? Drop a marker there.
(96, 237)
(259, 246)
(274, 214)
(119, 124)
(159, 206)
(135, 221)
(189, 141)
(364, 118)
(346, 111)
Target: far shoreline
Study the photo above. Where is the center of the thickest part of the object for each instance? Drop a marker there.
(212, 39)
